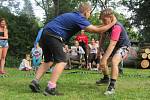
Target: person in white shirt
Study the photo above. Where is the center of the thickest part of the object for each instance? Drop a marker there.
(26, 64)
(76, 51)
(93, 55)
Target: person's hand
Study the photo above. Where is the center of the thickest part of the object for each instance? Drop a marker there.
(103, 62)
(114, 19)
(5, 28)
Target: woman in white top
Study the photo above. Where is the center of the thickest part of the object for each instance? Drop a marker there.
(76, 51)
(93, 54)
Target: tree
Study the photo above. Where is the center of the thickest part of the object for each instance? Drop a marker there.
(28, 9)
(12, 5)
(22, 33)
(47, 6)
(140, 16)
(53, 8)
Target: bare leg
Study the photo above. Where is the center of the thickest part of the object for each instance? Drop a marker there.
(90, 66)
(115, 62)
(97, 65)
(3, 57)
(105, 70)
(34, 85)
(114, 74)
(42, 69)
(59, 67)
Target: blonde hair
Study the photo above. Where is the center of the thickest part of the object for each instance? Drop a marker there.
(106, 12)
(84, 6)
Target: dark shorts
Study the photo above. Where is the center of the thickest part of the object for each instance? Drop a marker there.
(92, 57)
(52, 48)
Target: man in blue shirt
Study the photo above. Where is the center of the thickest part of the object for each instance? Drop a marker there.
(55, 32)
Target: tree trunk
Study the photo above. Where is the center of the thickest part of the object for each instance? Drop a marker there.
(149, 56)
(56, 6)
(146, 44)
(147, 50)
(144, 55)
(144, 63)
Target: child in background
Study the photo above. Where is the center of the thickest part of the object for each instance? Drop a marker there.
(36, 56)
(26, 64)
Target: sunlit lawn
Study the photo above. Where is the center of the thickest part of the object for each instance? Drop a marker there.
(76, 85)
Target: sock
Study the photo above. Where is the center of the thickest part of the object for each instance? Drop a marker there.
(51, 85)
(106, 77)
(112, 83)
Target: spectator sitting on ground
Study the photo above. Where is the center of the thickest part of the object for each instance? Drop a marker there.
(26, 64)
(36, 56)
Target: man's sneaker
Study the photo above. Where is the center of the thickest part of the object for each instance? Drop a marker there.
(52, 92)
(110, 90)
(34, 86)
(102, 81)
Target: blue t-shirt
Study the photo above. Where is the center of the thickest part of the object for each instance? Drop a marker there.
(67, 25)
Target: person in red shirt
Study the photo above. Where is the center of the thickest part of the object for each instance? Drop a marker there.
(83, 42)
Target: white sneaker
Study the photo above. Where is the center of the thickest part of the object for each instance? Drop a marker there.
(110, 91)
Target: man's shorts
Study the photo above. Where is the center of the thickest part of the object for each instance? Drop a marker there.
(123, 51)
(52, 48)
(4, 43)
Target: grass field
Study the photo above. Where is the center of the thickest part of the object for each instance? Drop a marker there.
(76, 85)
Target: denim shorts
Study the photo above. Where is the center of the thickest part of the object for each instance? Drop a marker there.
(4, 43)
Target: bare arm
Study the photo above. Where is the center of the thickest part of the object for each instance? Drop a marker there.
(101, 40)
(110, 49)
(100, 29)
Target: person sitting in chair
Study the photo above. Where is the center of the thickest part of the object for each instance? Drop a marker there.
(76, 52)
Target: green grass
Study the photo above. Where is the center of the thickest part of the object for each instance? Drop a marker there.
(133, 85)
